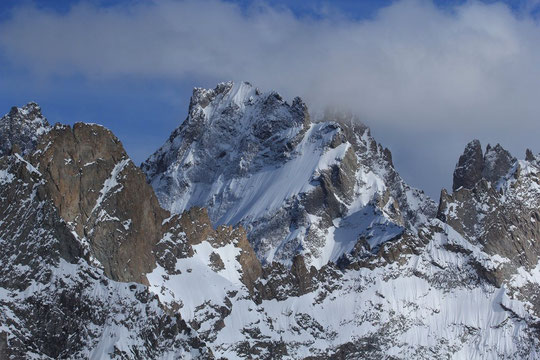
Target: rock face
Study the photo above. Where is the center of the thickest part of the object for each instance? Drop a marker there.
(497, 163)
(298, 187)
(103, 197)
(393, 270)
(93, 267)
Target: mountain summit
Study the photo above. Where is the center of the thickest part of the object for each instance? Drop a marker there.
(299, 187)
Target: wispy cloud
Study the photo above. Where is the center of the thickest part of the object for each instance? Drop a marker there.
(414, 70)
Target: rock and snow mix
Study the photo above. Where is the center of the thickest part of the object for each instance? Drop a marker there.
(299, 187)
(287, 238)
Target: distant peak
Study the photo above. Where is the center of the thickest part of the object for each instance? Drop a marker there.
(20, 128)
(469, 168)
(497, 162)
(31, 110)
(473, 165)
(495, 149)
(473, 144)
(529, 156)
(241, 103)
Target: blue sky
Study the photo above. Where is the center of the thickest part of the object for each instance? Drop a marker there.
(92, 62)
(355, 9)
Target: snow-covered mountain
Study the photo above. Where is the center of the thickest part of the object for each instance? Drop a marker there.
(21, 127)
(288, 239)
(297, 186)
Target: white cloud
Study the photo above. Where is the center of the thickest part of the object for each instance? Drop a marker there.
(424, 78)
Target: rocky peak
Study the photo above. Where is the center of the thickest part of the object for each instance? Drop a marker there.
(234, 129)
(48, 282)
(298, 187)
(474, 166)
(529, 156)
(499, 211)
(108, 205)
(21, 127)
(241, 104)
(497, 163)
(469, 167)
(31, 111)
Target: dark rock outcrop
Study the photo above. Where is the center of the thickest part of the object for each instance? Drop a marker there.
(193, 227)
(474, 166)
(499, 213)
(529, 156)
(469, 167)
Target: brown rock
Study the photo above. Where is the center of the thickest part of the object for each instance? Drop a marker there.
(103, 196)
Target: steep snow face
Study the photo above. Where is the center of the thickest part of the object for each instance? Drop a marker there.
(231, 131)
(20, 129)
(298, 187)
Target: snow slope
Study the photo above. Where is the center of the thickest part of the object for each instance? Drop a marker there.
(423, 306)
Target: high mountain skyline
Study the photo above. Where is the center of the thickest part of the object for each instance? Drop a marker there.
(426, 77)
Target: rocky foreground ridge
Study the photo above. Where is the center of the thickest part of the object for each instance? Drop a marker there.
(271, 236)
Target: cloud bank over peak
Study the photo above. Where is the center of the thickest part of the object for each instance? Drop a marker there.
(425, 78)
